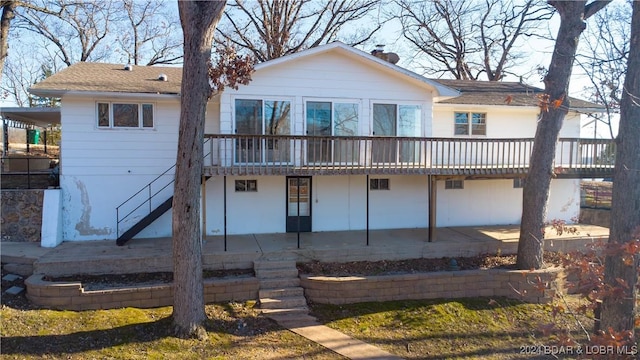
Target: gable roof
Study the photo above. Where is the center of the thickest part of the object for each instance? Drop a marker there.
(350, 51)
(496, 93)
(110, 78)
(113, 78)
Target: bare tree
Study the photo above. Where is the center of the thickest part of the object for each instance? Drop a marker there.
(573, 15)
(148, 35)
(603, 58)
(618, 311)
(8, 13)
(269, 29)
(75, 28)
(200, 80)
(198, 19)
(465, 39)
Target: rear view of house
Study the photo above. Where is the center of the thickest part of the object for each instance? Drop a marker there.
(328, 139)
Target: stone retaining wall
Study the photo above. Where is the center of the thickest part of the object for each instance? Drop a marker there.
(21, 215)
(71, 295)
(523, 285)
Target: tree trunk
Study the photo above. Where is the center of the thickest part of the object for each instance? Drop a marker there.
(536, 189)
(8, 13)
(198, 19)
(618, 312)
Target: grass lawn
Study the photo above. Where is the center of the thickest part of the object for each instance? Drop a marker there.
(446, 329)
(427, 329)
(235, 332)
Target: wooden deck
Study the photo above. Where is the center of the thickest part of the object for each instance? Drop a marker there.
(374, 155)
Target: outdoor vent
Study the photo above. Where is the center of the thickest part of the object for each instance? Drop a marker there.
(128, 67)
(163, 77)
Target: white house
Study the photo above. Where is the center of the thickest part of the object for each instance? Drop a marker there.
(331, 138)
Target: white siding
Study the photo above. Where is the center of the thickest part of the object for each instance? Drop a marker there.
(502, 121)
(247, 212)
(328, 77)
(496, 202)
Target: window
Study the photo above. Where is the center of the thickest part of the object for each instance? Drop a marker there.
(518, 183)
(454, 184)
(326, 118)
(470, 123)
(396, 120)
(258, 117)
(246, 185)
(125, 115)
(379, 184)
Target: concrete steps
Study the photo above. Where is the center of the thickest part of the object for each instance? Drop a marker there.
(280, 294)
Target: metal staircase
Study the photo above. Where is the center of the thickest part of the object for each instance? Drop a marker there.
(134, 209)
(148, 204)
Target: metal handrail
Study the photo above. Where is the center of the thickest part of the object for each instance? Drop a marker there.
(9, 167)
(147, 187)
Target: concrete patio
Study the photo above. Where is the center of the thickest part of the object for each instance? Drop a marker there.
(151, 255)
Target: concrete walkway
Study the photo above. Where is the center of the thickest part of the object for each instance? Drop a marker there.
(308, 327)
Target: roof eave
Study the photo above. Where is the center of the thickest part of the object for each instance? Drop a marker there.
(586, 110)
(111, 94)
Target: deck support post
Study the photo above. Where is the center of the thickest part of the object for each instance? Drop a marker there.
(432, 206)
(298, 207)
(5, 132)
(224, 206)
(204, 209)
(27, 143)
(367, 209)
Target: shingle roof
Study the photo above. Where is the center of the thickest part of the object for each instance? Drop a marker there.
(99, 77)
(496, 93)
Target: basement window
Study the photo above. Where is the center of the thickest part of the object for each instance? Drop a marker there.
(379, 184)
(246, 185)
(518, 183)
(454, 184)
(124, 115)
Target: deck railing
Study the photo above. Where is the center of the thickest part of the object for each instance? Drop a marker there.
(297, 154)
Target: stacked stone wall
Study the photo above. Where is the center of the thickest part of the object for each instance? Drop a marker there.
(72, 296)
(21, 215)
(537, 286)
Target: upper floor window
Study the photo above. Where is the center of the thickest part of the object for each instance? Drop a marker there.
(468, 123)
(258, 117)
(327, 118)
(125, 115)
(396, 120)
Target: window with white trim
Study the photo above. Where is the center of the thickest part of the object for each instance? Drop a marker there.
(396, 120)
(246, 185)
(454, 184)
(379, 184)
(470, 123)
(258, 117)
(125, 115)
(332, 118)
